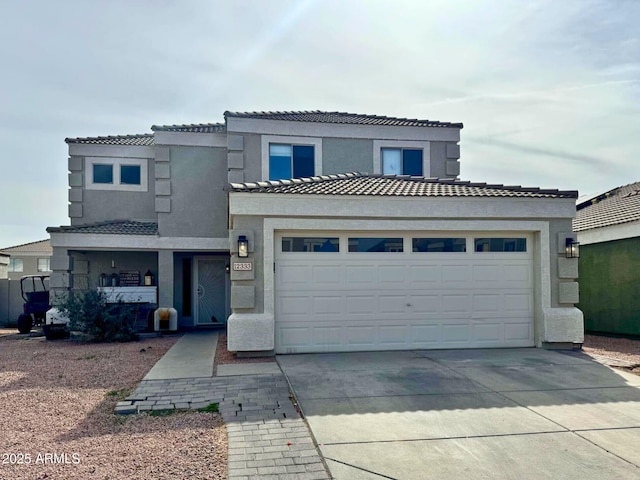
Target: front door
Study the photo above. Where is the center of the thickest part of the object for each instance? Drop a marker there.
(211, 290)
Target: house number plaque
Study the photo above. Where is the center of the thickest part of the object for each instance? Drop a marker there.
(242, 266)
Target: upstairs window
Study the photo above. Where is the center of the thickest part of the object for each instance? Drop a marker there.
(290, 161)
(102, 173)
(130, 174)
(16, 265)
(44, 264)
(116, 173)
(402, 161)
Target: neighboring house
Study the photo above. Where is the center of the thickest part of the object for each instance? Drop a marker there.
(331, 261)
(29, 259)
(608, 228)
(4, 265)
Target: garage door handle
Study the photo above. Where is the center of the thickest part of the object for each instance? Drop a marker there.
(409, 305)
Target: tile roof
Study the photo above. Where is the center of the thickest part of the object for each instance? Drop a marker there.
(193, 128)
(620, 205)
(32, 247)
(341, 117)
(143, 139)
(115, 227)
(392, 185)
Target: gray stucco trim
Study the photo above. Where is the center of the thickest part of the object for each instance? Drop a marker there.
(265, 204)
(310, 129)
(138, 242)
(191, 139)
(126, 151)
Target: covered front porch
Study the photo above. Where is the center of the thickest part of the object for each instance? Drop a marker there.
(191, 277)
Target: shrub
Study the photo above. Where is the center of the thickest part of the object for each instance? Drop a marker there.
(89, 313)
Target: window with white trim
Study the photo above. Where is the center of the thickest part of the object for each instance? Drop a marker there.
(402, 161)
(291, 161)
(125, 174)
(44, 264)
(16, 265)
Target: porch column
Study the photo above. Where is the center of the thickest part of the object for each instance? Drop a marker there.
(165, 278)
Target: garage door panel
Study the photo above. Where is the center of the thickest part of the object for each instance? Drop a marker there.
(424, 336)
(456, 303)
(359, 274)
(518, 302)
(518, 331)
(359, 304)
(488, 302)
(392, 303)
(421, 303)
(328, 305)
(392, 274)
(327, 275)
(363, 336)
(455, 274)
(293, 275)
(456, 333)
(488, 332)
(329, 336)
(429, 274)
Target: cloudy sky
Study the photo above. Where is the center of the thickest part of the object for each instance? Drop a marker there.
(548, 91)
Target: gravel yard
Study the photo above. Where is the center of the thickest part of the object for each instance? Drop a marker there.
(57, 398)
(616, 351)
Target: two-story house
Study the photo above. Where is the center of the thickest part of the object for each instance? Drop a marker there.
(257, 222)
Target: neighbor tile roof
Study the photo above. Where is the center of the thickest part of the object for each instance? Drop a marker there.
(143, 139)
(341, 117)
(620, 205)
(193, 128)
(32, 247)
(391, 185)
(115, 227)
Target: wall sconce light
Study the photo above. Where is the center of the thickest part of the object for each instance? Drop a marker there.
(113, 263)
(148, 278)
(243, 246)
(572, 248)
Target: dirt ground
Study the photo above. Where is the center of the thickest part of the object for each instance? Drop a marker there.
(619, 352)
(57, 420)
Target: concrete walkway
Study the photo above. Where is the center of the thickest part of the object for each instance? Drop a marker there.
(267, 438)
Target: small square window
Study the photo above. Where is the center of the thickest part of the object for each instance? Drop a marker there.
(44, 264)
(102, 173)
(16, 265)
(130, 174)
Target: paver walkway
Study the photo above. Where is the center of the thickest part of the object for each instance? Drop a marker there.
(267, 438)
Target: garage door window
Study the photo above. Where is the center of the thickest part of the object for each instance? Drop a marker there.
(310, 244)
(439, 245)
(359, 244)
(500, 244)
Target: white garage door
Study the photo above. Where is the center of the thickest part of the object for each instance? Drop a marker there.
(395, 291)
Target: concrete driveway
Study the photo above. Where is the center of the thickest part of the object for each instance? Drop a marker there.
(469, 414)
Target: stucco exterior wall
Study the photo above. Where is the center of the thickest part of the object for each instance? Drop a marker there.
(343, 155)
(610, 286)
(100, 262)
(198, 203)
(90, 206)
